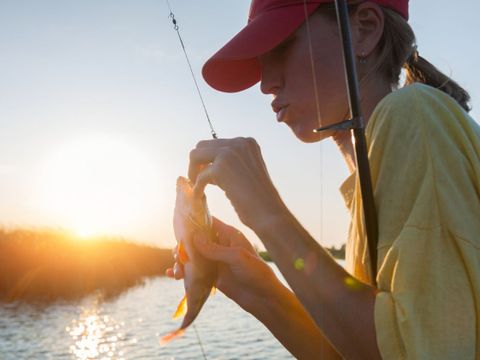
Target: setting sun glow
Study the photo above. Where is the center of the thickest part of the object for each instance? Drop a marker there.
(96, 186)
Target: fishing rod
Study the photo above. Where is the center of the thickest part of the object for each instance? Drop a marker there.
(356, 124)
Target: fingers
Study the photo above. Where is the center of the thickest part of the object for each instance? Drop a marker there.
(200, 158)
(203, 179)
(169, 272)
(176, 272)
(219, 225)
(213, 251)
(214, 143)
(175, 252)
(224, 231)
(207, 151)
(229, 235)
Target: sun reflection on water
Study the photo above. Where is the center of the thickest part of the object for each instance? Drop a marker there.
(95, 336)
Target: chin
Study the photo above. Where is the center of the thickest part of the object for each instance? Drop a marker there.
(308, 136)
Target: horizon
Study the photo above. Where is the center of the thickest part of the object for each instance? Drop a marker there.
(99, 112)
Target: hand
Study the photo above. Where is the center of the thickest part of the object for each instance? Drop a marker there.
(245, 278)
(242, 275)
(237, 167)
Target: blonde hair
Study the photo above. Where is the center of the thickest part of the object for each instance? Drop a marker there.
(397, 50)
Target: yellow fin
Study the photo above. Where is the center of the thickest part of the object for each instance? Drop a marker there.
(214, 290)
(181, 309)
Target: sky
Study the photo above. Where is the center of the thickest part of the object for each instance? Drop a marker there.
(98, 113)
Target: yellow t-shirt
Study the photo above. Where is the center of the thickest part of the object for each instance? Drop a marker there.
(424, 153)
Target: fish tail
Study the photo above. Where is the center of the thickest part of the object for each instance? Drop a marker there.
(169, 337)
(181, 308)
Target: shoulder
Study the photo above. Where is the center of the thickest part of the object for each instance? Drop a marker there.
(416, 107)
(422, 142)
(412, 98)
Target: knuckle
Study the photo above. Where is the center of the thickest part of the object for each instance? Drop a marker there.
(238, 143)
(248, 144)
(252, 143)
(202, 143)
(193, 154)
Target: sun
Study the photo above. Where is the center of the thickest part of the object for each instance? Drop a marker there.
(97, 185)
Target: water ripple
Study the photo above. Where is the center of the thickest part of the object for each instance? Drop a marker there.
(129, 327)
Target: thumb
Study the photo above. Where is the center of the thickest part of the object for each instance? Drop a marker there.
(211, 250)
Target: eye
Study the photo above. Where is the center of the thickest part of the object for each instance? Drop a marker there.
(282, 49)
(279, 53)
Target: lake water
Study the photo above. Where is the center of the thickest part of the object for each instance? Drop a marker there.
(129, 326)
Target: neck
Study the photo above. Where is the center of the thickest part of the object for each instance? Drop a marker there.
(373, 92)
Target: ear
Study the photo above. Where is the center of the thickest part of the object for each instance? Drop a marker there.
(367, 28)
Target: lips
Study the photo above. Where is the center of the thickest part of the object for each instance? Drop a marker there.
(281, 114)
(280, 110)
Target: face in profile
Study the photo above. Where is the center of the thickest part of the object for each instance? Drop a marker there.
(308, 87)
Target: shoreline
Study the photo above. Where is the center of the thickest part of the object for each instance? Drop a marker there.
(41, 265)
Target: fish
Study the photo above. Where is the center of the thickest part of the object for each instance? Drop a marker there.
(191, 215)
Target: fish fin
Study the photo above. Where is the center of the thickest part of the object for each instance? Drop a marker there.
(213, 291)
(169, 337)
(181, 308)
(182, 253)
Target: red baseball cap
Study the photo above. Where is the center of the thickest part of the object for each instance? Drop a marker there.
(235, 66)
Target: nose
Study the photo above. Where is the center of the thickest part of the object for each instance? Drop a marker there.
(271, 81)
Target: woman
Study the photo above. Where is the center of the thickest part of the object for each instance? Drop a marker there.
(424, 153)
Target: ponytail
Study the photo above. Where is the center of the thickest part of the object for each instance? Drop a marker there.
(398, 50)
(420, 70)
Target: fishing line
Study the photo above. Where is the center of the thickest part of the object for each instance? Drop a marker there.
(177, 29)
(212, 130)
(199, 342)
(312, 63)
(319, 116)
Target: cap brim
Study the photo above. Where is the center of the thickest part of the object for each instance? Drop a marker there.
(235, 67)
